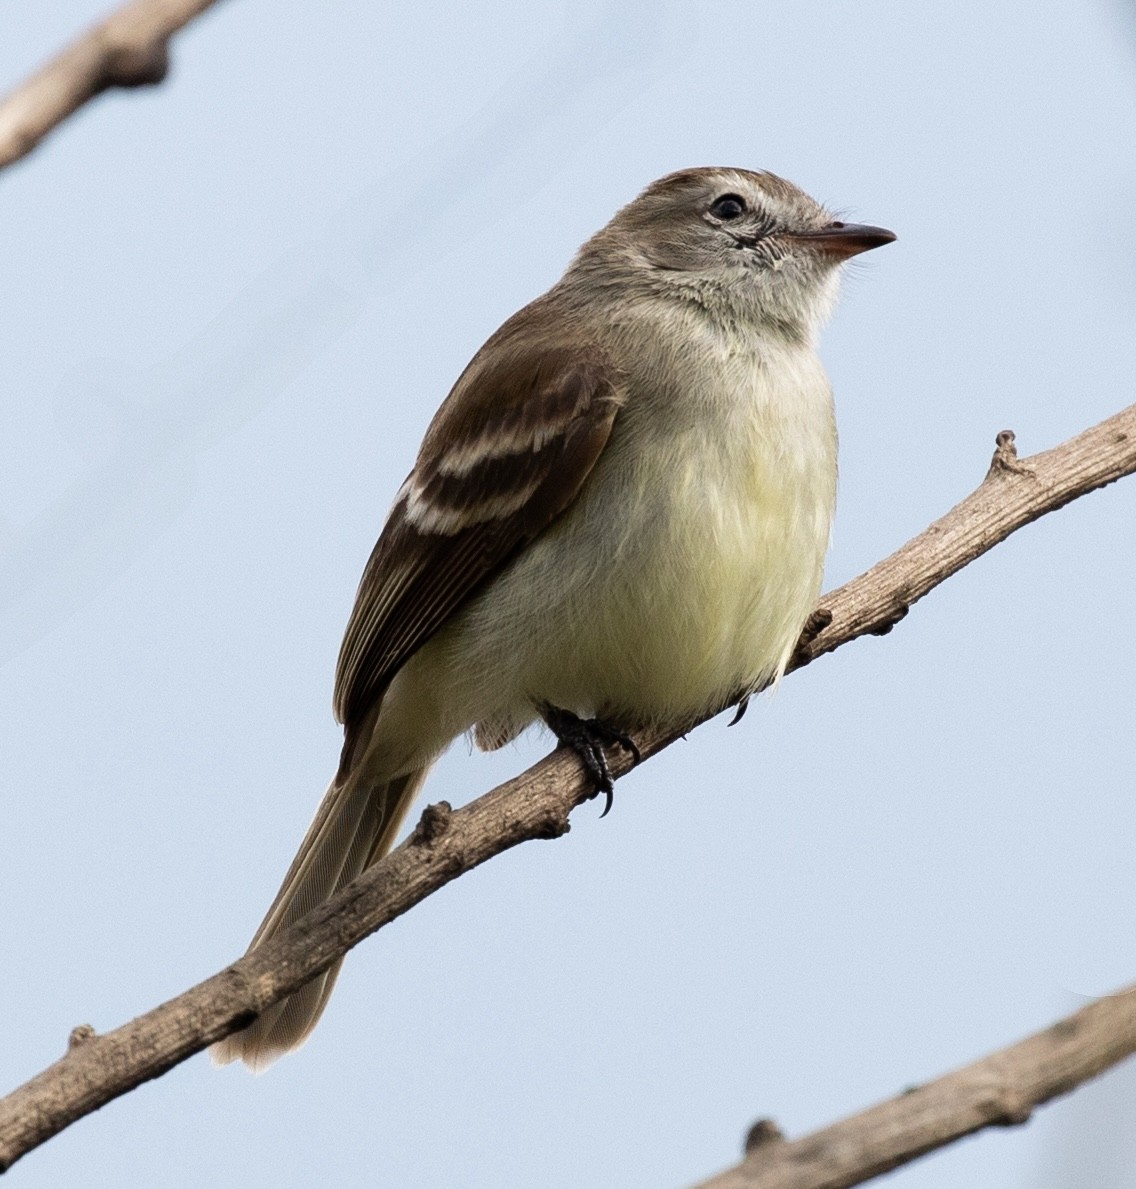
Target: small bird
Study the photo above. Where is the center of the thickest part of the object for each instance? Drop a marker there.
(617, 519)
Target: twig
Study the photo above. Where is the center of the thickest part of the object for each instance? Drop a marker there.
(534, 805)
(1001, 1090)
(1013, 494)
(128, 49)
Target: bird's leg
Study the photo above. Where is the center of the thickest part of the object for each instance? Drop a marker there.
(588, 737)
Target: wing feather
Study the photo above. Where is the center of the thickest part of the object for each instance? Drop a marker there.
(506, 454)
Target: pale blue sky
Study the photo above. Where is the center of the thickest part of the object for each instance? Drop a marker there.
(231, 306)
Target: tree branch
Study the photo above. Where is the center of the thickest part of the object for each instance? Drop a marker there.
(536, 804)
(128, 49)
(1001, 1090)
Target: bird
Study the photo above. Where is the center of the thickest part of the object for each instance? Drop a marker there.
(617, 518)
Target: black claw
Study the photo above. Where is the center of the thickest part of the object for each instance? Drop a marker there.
(588, 737)
(739, 713)
(605, 786)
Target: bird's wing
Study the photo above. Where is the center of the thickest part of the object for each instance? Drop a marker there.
(506, 453)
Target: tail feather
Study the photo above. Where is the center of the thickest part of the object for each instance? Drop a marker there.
(354, 827)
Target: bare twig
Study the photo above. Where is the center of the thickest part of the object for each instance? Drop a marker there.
(1001, 1090)
(128, 49)
(534, 805)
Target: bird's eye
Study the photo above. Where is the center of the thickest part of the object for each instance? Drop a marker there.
(729, 206)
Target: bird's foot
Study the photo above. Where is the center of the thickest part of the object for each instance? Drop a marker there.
(588, 737)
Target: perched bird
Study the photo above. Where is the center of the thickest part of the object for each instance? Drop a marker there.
(617, 518)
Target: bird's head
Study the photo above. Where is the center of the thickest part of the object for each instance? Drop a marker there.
(744, 244)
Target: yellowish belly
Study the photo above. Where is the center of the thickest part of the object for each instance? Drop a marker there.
(683, 573)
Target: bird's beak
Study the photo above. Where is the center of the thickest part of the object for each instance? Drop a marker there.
(845, 239)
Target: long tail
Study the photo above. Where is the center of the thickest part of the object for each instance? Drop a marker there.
(354, 827)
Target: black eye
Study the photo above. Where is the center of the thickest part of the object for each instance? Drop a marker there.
(729, 206)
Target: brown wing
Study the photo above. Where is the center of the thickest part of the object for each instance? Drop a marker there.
(504, 456)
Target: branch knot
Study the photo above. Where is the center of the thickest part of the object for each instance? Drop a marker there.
(131, 65)
(79, 1036)
(433, 823)
(1005, 460)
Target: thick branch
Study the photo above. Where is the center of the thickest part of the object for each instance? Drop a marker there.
(534, 805)
(128, 49)
(999, 1091)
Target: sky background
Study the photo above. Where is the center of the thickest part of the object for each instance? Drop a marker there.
(230, 307)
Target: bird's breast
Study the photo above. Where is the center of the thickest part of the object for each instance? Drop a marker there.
(693, 555)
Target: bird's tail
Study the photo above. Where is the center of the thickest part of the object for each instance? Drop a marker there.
(354, 827)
